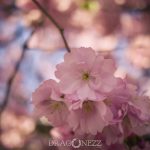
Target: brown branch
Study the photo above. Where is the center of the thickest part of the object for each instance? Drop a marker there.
(60, 29)
(11, 79)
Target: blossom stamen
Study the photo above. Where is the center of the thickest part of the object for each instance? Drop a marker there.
(88, 106)
(85, 76)
(57, 105)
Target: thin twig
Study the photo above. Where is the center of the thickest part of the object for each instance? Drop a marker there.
(60, 29)
(11, 79)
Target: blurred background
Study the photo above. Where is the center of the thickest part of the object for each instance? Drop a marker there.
(118, 27)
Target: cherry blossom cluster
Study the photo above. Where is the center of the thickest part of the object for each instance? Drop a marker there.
(90, 100)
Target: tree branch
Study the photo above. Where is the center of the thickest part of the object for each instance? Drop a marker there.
(11, 79)
(60, 29)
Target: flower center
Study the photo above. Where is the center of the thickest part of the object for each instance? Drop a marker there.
(108, 102)
(88, 106)
(57, 105)
(62, 96)
(85, 76)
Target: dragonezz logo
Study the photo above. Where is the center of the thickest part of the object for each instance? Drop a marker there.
(76, 143)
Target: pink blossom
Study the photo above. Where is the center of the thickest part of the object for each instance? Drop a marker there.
(117, 100)
(138, 116)
(91, 118)
(49, 102)
(112, 134)
(130, 110)
(142, 103)
(89, 101)
(86, 73)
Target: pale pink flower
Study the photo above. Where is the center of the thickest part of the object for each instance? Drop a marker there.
(49, 102)
(136, 116)
(130, 110)
(112, 134)
(87, 73)
(90, 101)
(90, 118)
(142, 103)
(117, 100)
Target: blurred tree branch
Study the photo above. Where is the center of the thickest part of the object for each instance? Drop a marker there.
(60, 29)
(12, 77)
